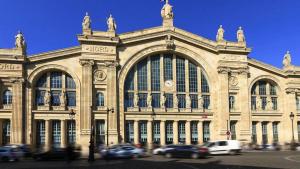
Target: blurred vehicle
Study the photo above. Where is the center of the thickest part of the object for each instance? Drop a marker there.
(187, 151)
(56, 154)
(161, 150)
(122, 151)
(10, 154)
(223, 147)
(23, 148)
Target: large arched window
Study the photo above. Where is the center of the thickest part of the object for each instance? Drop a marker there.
(7, 97)
(100, 99)
(264, 96)
(166, 80)
(55, 89)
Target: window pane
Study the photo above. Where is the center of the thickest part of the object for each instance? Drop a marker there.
(155, 100)
(272, 90)
(129, 99)
(264, 102)
(180, 74)
(169, 132)
(181, 132)
(194, 132)
(274, 101)
(155, 73)
(142, 75)
(264, 133)
(194, 100)
(42, 82)
(169, 100)
(40, 94)
(6, 132)
(143, 132)
(56, 80)
(232, 130)
(156, 132)
(100, 99)
(275, 132)
(129, 132)
(262, 88)
(100, 132)
(40, 133)
(7, 97)
(193, 77)
(206, 101)
(143, 99)
(206, 131)
(70, 83)
(181, 100)
(71, 134)
(56, 134)
(55, 98)
(168, 67)
(71, 98)
(253, 102)
(204, 84)
(254, 135)
(129, 83)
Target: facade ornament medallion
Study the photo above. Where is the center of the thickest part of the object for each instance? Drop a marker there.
(170, 42)
(220, 34)
(233, 81)
(149, 100)
(111, 24)
(20, 41)
(240, 35)
(287, 60)
(100, 75)
(86, 24)
(167, 11)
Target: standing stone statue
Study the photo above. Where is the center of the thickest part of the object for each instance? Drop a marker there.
(270, 104)
(20, 41)
(136, 100)
(149, 100)
(200, 102)
(86, 24)
(220, 34)
(47, 98)
(167, 11)
(287, 59)
(111, 24)
(162, 100)
(188, 102)
(258, 104)
(62, 98)
(176, 101)
(240, 35)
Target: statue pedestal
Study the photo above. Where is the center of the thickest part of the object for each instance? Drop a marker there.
(149, 109)
(43, 108)
(188, 110)
(133, 109)
(87, 32)
(168, 23)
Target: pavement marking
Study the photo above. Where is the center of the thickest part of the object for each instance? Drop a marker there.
(289, 158)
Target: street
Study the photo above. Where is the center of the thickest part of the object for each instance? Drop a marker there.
(247, 160)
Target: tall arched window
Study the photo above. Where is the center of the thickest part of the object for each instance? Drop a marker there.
(58, 85)
(100, 99)
(178, 81)
(264, 96)
(7, 97)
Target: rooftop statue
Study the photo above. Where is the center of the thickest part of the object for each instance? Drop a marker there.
(167, 11)
(20, 41)
(287, 59)
(111, 24)
(86, 24)
(240, 35)
(220, 34)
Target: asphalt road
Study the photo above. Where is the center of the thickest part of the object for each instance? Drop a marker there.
(250, 160)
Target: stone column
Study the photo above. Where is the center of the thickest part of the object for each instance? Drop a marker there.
(17, 120)
(175, 132)
(47, 135)
(149, 134)
(270, 132)
(200, 132)
(136, 131)
(63, 133)
(162, 133)
(1, 131)
(259, 133)
(86, 104)
(188, 132)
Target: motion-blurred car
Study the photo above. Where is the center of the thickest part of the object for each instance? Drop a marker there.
(56, 154)
(10, 154)
(223, 147)
(122, 151)
(161, 150)
(187, 151)
(23, 148)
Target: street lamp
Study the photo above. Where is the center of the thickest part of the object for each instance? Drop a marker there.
(72, 116)
(292, 116)
(107, 114)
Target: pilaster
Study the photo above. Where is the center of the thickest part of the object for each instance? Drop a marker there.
(63, 133)
(200, 132)
(188, 132)
(149, 135)
(175, 132)
(136, 132)
(270, 132)
(259, 132)
(47, 134)
(162, 133)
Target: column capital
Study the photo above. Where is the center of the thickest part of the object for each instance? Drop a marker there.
(86, 62)
(292, 90)
(17, 80)
(224, 70)
(112, 64)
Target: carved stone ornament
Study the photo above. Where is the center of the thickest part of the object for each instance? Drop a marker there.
(170, 42)
(86, 63)
(233, 81)
(224, 70)
(100, 75)
(112, 64)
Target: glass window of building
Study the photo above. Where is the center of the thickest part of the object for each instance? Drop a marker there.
(7, 97)
(56, 133)
(254, 134)
(143, 132)
(169, 132)
(181, 100)
(194, 101)
(193, 78)
(206, 131)
(264, 132)
(129, 132)
(71, 134)
(180, 74)
(181, 132)
(56, 80)
(155, 73)
(156, 132)
(231, 103)
(55, 97)
(129, 99)
(298, 103)
(40, 133)
(275, 132)
(298, 127)
(155, 100)
(100, 132)
(142, 75)
(143, 99)
(232, 130)
(169, 100)
(6, 132)
(100, 99)
(168, 67)
(194, 132)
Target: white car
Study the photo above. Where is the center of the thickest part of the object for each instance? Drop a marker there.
(10, 154)
(161, 150)
(224, 147)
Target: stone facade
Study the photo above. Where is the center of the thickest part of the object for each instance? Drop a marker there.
(251, 99)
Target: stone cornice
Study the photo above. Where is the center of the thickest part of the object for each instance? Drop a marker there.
(17, 80)
(292, 90)
(228, 69)
(112, 64)
(261, 65)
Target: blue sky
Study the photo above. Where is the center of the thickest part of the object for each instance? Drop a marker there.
(271, 26)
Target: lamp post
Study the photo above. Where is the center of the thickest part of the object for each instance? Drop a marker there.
(107, 119)
(91, 146)
(292, 119)
(72, 116)
(153, 123)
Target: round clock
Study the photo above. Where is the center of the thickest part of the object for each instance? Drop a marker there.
(169, 83)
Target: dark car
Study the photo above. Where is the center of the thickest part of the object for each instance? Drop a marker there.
(186, 151)
(56, 154)
(122, 151)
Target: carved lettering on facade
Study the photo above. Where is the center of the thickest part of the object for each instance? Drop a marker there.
(99, 49)
(9, 67)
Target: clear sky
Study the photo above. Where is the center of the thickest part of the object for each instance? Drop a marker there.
(271, 26)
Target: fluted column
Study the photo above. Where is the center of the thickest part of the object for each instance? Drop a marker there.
(259, 132)
(150, 134)
(188, 132)
(175, 132)
(47, 135)
(162, 133)
(270, 132)
(63, 133)
(136, 131)
(200, 132)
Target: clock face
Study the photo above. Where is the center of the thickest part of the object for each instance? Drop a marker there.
(169, 83)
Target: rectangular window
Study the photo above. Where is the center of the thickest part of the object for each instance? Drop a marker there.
(181, 132)
(194, 132)
(180, 74)
(275, 132)
(169, 100)
(142, 75)
(274, 101)
(40, 133)
(129, 99)
(181, 100)
(264, 133)
(143, 99)
(232, 130)
(231, 102)
(206, 101)
(263, 102)
(155, 73)
(56, 80)
(42, 82)
(253, 102)
(194, 101)
(254, 134)
(272, 90)
(129, 84)
(71, 98)
(100, 132)
(6, 132)
(70, 84)
(55, 98)
(71, 134)
(155, 100)
(169, 132)
(129, 132)
(56, 133)
(193, 80)
(168, 67)
(156, 132)
(262, 88)
(40, 94)
(143, 132)
(206, 131)
(204, 84)
(298, 102)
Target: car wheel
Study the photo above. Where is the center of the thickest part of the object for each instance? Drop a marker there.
(5, 159)
(195, 156)
(136, 156)
(232, 152)
(169, 155)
